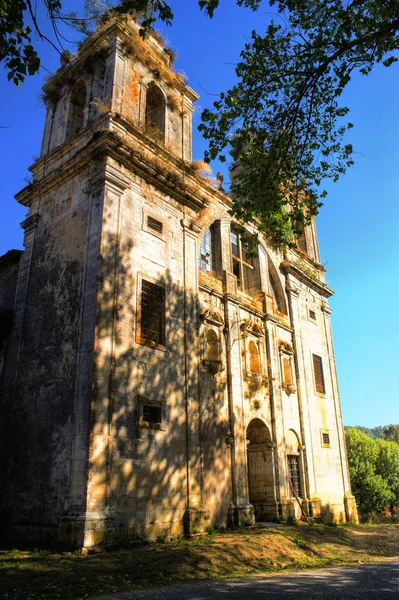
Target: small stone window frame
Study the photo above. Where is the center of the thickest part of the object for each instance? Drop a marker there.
(151, 414)
(325, 438)
(312, 315)
(150, 217)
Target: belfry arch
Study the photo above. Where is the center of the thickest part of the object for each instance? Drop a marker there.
(261, 474)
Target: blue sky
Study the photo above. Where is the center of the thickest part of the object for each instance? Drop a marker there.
(358, 226)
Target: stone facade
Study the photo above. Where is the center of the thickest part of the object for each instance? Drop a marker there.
(158, 380)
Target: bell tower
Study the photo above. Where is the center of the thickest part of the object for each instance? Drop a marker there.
(117, 133)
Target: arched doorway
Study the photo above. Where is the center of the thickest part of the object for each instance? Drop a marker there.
(261, 480)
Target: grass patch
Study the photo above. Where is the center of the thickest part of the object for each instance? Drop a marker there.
(44, 575)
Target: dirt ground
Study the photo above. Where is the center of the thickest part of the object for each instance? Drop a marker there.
(40, 574)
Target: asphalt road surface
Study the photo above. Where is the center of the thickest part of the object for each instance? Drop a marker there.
(360, 582)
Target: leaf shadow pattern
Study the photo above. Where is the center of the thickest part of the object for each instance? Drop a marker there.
(150, 481)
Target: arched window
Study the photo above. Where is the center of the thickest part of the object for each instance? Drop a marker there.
(254, 361)
(155, 113)
(212, 345)
(76, 110)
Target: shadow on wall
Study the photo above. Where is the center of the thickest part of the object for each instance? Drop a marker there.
(148, 414)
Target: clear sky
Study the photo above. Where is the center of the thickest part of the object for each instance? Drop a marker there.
(358, 226)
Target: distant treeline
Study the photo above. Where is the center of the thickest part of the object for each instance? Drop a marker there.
(385, 432)
(373, 432)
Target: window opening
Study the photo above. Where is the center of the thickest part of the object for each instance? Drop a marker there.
(152, 414)
(301, 242)
(276, 292)
(155, 114)
(76, 110)
(312, 315)
(325, 438)
(207, 253)
(293, 473)
(243, 265)
(318, 374)
(254, 362)
(152, 321)
(154, 224)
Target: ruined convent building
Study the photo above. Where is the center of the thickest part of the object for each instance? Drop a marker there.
(155, 378)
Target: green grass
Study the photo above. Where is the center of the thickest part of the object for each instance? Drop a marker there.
(43, 575)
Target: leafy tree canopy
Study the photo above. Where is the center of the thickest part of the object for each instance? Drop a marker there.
(374, 471)
(282, 121)
(391, 432)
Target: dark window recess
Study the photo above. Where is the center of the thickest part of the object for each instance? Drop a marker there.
(154, 224)
(152, 414)
(318, 374)
(152, 322)
(326, 439)
(312, 315)
(293, 473)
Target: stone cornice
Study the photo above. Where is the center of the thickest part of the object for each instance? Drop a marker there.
(160, 168)
(293, 269)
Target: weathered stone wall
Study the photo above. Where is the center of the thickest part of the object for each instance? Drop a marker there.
(40, 382)
(9, 265)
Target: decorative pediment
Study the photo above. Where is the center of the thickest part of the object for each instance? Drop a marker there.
(285, 347)
(253, 327)
(213, 317)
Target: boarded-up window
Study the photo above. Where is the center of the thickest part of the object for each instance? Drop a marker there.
(318, 374)
(293, 474)
(152, 317)
(287, 371)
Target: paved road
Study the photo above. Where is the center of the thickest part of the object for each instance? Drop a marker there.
(363, 582)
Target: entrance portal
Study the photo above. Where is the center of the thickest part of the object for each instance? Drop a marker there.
(261, 471)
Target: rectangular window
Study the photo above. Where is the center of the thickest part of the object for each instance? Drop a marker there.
(325, 439)
(207, 258)
(154, 224)
(293, 473)
(243, 265)
(312, 315)
(318, 374)
(152, 315)
(152, 414)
